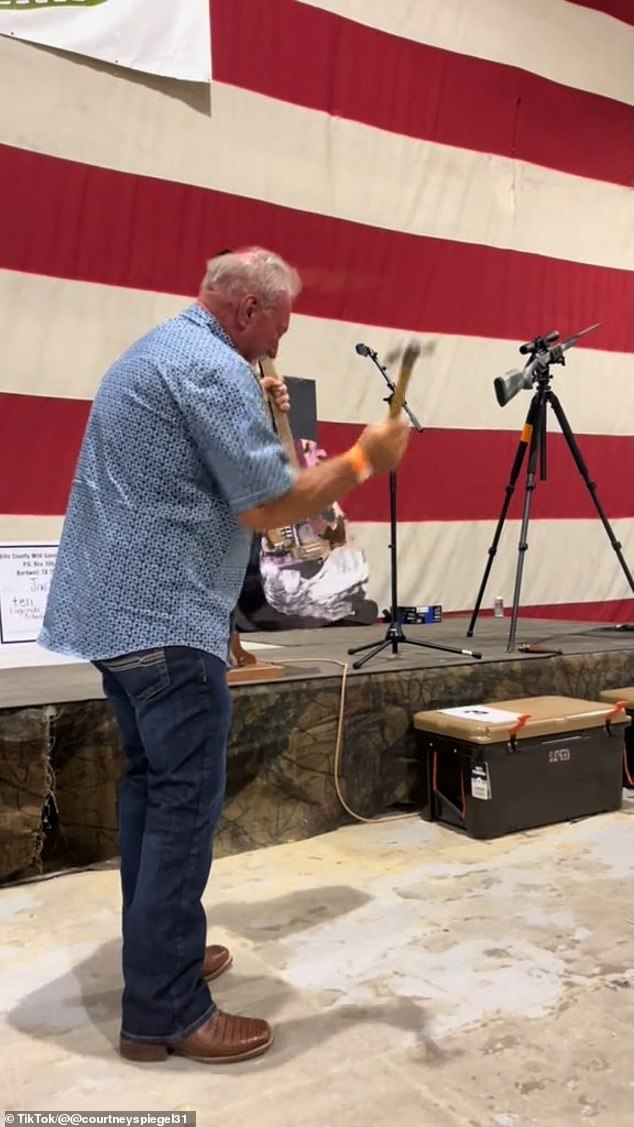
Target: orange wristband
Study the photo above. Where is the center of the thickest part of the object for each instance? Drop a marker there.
(359, 463)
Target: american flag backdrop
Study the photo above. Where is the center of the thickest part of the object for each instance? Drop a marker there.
(456, 170)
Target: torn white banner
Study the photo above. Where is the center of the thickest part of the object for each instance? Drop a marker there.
(163, 38)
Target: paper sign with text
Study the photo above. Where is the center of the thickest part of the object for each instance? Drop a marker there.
(25, 577)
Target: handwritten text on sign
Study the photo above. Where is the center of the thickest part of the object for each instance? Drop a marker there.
(25, 576)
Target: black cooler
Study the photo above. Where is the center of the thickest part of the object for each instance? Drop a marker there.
(504, 766)
(625, 695)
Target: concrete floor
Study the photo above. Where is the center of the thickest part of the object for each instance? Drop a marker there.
(415, 978)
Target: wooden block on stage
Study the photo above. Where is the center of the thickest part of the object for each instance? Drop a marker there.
(247, 668)
(260, 671)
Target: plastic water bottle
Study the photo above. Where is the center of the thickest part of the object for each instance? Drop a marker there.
(498, 607)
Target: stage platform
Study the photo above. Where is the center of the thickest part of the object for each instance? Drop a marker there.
(60, 759)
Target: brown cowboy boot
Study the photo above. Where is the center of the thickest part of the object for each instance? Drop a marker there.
(222, 1039)
(217, 959)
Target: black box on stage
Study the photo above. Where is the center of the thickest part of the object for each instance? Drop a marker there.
(626, 695)
(303, 412)
(412, 616)
(501, 767)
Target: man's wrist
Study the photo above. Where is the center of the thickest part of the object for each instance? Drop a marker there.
(358, 462)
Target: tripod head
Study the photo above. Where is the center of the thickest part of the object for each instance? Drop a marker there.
(542, 352)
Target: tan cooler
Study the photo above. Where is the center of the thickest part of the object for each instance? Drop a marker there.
(503, 766)
(627, 696)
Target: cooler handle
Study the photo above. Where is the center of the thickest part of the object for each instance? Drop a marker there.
(517, 727)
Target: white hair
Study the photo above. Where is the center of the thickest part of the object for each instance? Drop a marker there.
(252, 270)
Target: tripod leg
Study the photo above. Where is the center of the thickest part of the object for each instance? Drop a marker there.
(537, 440)
(393, 635)
(525, 438)
(590, 485)
(372, 652)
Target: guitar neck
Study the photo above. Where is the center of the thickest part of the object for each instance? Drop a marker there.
(280, 418)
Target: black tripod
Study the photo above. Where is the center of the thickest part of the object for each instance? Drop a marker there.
(395, 635)
(534, 439)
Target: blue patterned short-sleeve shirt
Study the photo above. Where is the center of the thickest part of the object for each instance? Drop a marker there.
(178, 443)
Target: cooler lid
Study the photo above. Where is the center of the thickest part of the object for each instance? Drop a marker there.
(626, 694)
(523, 718)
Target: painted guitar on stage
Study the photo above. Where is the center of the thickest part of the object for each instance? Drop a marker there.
(315, 537)
(311, 571)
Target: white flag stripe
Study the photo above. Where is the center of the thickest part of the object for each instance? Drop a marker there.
(30, 529)
(567, 44)
(571, 45)
(375, 177)
(443, 562)
(88, 326)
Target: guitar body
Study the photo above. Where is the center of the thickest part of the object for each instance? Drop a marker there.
(310, 571)
(324, 585)
(308, 540)
(313, 538)
(310, 574)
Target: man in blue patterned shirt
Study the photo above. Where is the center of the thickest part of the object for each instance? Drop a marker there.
(179, 465)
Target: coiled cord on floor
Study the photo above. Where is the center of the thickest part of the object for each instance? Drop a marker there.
(345, 666)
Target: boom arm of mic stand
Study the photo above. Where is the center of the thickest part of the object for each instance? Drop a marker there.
(392, 386)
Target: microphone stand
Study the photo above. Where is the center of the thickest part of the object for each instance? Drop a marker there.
(395, 635)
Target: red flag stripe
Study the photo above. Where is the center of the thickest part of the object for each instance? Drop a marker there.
(608, 610)
(98, 225)
(302, 54)
(619, 9)
(460, 475)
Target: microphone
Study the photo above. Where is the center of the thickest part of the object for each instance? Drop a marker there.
(363, 350)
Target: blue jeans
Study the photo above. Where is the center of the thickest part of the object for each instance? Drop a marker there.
(173, 709)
